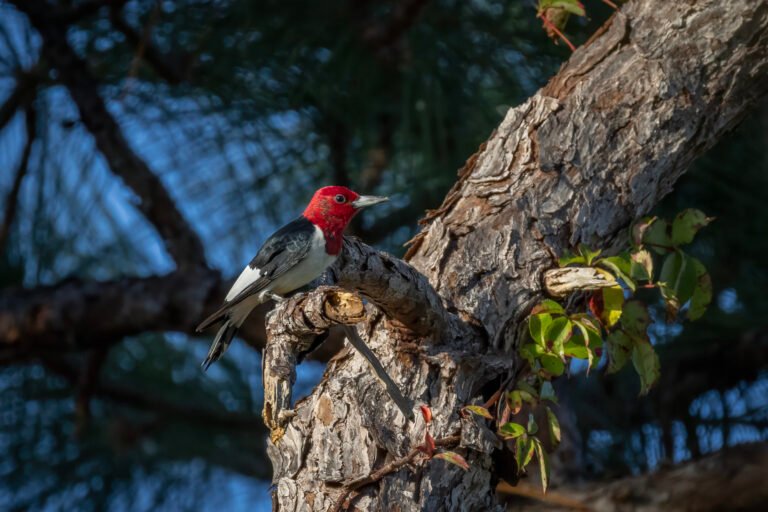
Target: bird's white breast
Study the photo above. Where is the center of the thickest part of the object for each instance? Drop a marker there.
(308, 269)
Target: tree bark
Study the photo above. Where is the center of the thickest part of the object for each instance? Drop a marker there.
(731, 479)
(78, 315)
(599, 146)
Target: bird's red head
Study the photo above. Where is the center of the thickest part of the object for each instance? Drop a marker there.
(331, 209)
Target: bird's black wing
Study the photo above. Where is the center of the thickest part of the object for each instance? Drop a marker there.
(281, 252)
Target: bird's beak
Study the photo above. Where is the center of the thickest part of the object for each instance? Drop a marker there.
(363, 201)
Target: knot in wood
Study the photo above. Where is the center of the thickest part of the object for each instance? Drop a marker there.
(343, 307)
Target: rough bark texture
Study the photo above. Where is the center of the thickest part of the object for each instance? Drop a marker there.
(596, 148)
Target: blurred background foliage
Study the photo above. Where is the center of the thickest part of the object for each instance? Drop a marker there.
(242, 109)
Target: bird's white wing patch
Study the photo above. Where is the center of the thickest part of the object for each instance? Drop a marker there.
(245, 279)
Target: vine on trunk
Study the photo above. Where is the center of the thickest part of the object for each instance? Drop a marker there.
(608, 332)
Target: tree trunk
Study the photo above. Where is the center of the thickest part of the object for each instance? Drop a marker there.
(599, 146)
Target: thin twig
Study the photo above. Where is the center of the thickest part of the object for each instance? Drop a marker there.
(143, 43)
(532, 492)
(557, 31)
(165, 65)
(386, 469)
(88, 382)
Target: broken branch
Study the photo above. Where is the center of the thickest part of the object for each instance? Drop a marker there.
(561, 282)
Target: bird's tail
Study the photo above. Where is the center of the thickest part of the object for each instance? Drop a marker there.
(221, 342)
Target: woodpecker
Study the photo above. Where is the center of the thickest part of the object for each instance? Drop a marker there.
(292, 257)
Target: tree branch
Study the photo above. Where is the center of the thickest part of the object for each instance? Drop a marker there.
(402, 293)
(22, 94)
(385, 39)
(731, 479)
(292, 328)
(155, 203)
(12, 201)
(79, 315)
(561, 282)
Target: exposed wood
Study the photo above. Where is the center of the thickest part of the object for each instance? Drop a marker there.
(561, 282)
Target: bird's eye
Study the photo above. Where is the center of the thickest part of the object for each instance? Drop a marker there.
(340, 199)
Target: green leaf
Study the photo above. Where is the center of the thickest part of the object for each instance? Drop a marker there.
(613, 301)
(523, 452)
(621, 266)
(571, 6)
(515, 401)
(554, 427)
(511, 430)
(678, 280)
(533, 427)
(657, 236)
(573, 349)
(570, 258)
(548, 306)
(548, 392)
(558, 332)
(586, 318)
(686, 224)
(537, 326)
(453, 458)
(619, 348)
(635, 318)
(526, 390)
(553, 364)
(543, 464)
(642, 265)
(593, 330)
(589, 322)
(646, 362)
(589, 338)
(588, 254)
(531, 352)
(702, 292)
(479, 411)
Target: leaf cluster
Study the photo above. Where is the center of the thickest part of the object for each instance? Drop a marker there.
(615, 320)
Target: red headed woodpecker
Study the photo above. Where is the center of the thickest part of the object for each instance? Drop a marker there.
(292, 257)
